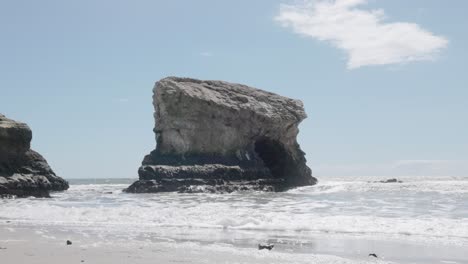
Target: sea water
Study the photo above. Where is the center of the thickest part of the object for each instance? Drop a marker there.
(421, 212)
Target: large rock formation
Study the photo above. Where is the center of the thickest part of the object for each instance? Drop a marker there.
(220, 136)
(23, 172)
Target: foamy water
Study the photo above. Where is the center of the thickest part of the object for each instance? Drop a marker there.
(421, 210)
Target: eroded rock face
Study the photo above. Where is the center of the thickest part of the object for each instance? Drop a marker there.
(220, 136)
(23, 172)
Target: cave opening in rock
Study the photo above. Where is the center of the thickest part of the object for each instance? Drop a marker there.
(273, 156)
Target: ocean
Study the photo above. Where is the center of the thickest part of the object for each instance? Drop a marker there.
(421, 220)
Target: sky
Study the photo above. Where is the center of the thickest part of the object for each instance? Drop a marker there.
(383, 82)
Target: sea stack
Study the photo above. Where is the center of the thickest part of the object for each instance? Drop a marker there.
(216, 136)
(23, 172)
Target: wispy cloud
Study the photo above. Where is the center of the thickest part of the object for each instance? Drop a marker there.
(395, 168)
(206, 54)
(431, 167)
(363, 34)
(121, 100)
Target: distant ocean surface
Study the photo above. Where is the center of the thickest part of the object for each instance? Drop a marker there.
(422, 210)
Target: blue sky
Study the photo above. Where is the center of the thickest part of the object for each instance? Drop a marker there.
(385, 91)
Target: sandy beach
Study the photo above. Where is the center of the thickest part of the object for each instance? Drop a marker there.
(36, 245)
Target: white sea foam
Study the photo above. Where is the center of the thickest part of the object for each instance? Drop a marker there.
(433, 210)
(448, 185)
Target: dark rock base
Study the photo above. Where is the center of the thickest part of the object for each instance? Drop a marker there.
(204, 178)
(200, 186)
(21, 185)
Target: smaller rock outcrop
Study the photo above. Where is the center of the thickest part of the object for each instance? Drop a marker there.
(216, 136)
(388, 181)
(265, 246)
(23, 172)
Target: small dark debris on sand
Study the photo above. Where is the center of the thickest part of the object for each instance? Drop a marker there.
(69, 242)
(373, 255)
(2, 248)
(265, 246)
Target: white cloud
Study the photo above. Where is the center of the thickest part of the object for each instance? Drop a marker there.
(363, 34)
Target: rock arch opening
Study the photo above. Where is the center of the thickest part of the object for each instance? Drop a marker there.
(273, 155)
